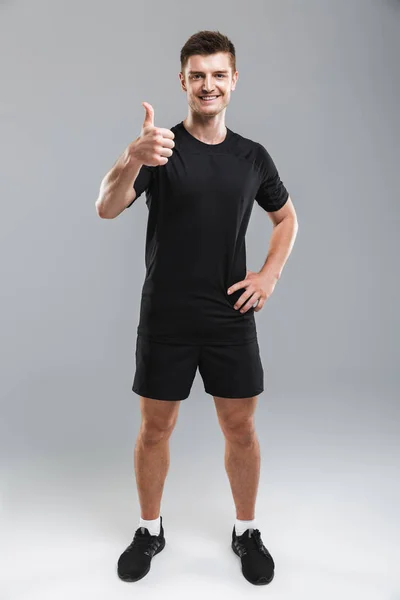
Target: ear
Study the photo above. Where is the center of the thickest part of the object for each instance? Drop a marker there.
(234, 80)
(182, 80)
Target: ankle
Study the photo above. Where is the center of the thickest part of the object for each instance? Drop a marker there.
(153, 525)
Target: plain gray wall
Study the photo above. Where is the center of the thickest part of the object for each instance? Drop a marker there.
(319, 87)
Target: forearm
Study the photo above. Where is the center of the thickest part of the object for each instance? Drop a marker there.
(280, 246)
(116, 185)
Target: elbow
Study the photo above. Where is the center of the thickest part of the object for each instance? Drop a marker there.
(100, 211)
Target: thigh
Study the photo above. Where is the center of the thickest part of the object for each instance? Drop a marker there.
(164, 371)
(158, 413)
(236, 416)
(232, 371)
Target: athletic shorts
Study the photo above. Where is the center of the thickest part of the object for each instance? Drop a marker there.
(166, 371)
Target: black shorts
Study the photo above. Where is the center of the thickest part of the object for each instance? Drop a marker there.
(166, 371)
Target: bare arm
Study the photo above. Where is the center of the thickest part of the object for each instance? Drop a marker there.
(260, 285)
(116, 188)
(152, 148)
(282, 239)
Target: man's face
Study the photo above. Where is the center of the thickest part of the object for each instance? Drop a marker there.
(208, 76)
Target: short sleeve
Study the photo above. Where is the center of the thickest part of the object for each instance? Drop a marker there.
(142, 181)
(272, 194)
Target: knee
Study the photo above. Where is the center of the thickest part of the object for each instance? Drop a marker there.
(240, 432)
(153, 430)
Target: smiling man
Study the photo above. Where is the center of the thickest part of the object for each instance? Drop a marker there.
(198, 298)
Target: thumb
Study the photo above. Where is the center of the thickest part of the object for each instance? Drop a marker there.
(149, 118)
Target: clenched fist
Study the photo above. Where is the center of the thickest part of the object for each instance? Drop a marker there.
(154, 145)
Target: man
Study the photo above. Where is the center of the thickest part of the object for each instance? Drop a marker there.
(198, 299)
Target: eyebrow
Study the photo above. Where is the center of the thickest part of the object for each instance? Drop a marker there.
(202, 73)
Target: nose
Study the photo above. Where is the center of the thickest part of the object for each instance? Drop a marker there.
(208, 84)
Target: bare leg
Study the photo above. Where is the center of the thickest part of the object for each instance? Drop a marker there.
(151, 455)
(242, 452)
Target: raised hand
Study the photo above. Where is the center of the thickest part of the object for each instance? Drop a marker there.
(154, 145)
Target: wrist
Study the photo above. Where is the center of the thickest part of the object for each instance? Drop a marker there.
(130, 156)
(270, 273)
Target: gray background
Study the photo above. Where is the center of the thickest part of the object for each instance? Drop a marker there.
(319, 87)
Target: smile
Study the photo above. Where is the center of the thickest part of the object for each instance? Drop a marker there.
(208, 98)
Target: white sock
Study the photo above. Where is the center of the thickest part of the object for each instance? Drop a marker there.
(154, 525)
(241, 526)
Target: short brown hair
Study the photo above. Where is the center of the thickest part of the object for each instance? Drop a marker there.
(207, 42)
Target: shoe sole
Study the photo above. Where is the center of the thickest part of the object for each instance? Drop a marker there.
(262, 580)
(130, 579)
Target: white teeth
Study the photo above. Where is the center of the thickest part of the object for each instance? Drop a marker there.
(208, 97)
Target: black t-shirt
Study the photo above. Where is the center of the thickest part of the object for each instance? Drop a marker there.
(200, 204)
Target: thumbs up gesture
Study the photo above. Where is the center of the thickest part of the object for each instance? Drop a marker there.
(154, 145)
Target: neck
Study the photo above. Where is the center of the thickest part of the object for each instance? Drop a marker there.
(210, 130)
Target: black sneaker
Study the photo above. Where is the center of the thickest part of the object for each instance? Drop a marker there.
(257, 563)
(134, 562)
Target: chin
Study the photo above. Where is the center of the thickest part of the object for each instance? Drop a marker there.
(207, 113)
